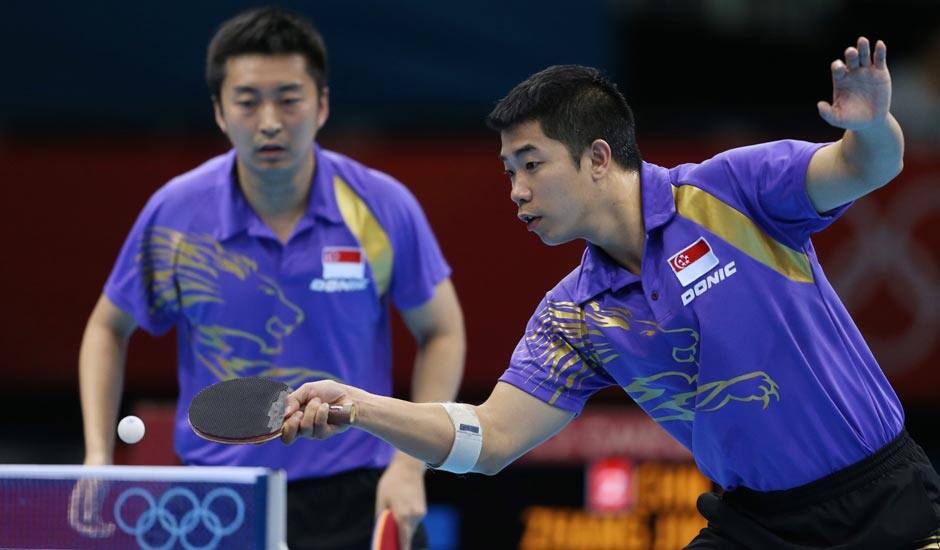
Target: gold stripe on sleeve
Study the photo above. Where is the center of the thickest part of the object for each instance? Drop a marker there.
(372, 238)
(741, 232)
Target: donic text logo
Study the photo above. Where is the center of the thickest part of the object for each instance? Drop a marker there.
(694, 261)
(703, 285)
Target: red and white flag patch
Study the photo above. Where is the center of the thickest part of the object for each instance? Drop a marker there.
(343, 262)
(693, 262)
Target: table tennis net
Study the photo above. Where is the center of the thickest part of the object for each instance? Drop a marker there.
(122, 507)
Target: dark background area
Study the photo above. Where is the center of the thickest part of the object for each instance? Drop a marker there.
(101, 103)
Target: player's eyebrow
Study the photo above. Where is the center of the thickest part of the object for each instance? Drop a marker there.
(520, 151)
(290, 87)
(246, 90)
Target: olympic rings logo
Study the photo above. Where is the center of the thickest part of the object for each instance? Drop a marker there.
(180, 529)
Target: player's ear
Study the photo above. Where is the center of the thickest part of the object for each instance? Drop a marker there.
(219, 117)
(600, 155)
(323, 106)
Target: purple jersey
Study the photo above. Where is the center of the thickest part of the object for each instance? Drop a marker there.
(731, 338)
(244, 304)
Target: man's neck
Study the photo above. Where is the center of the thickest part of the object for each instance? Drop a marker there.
(620, 230)
(279, 198)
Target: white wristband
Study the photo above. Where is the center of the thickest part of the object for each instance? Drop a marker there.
(468, 439)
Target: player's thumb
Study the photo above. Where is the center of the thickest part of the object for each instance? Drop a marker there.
(298, 399)
(292, 406)
(825, 111)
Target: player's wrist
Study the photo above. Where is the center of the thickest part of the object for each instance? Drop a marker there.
(404, 462)
(98, 459)
(364, 403)
(879, 125)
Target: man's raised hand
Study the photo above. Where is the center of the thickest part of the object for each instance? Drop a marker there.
(861, 88)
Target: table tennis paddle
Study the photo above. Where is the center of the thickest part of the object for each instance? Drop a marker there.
(248, 410)
(385, 535)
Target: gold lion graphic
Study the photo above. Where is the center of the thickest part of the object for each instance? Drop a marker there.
(568, 338)
(706, 397)
(183, 273)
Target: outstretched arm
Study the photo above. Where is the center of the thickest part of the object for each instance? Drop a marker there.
(870, 153)
(512, 421)
(437, 327)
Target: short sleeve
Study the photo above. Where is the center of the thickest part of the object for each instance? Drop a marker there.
(142, 281)
(553, 361)
(768, 183)
(419, 265)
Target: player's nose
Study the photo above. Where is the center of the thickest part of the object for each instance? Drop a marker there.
(270, 122)
(520, 193)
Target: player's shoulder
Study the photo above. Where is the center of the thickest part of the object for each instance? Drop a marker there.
(373, 186)
(737, 162)
(573, 287)
(563, 297)
(392, 203)
(192, 194)
(189, 189)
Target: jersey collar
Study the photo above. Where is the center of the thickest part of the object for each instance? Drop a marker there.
(236, 215)
(599, 272)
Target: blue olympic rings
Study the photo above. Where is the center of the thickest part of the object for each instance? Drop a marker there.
(180, 529)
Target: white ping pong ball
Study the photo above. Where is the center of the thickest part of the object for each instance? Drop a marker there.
(131, 429)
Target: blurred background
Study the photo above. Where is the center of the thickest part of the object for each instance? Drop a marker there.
(103, 102)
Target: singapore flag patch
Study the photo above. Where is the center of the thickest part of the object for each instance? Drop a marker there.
(693, 262)
(343, 262)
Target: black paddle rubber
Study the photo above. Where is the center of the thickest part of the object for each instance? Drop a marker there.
(240, 409)
(249, 410)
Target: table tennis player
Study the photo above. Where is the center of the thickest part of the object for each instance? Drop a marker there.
(280, 259)
(699, 293)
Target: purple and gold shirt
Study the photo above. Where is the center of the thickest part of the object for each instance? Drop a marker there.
(244, 304)
(731, 338)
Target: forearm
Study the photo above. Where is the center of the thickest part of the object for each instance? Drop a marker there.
(425, 432)
(438, 369)
(101, 377)
(421, 430)
(441, 346)
(512, 422)
(875, 153)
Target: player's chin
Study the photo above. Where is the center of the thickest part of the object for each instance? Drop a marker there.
(272, 167)
(552, 239)
(273, 163)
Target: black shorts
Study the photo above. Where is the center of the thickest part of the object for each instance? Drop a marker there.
(336, 512)
(890, 500)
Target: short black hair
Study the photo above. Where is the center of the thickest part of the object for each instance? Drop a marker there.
(574, 105)
(268, 31)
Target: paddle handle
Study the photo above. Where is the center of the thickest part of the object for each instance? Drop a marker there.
(342, 415)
